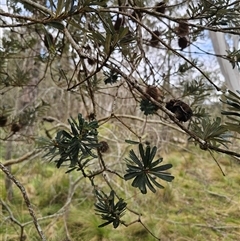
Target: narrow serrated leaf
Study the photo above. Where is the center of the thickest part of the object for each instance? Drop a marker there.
(149, 184)
(161, 168)
(60, 5)
(56, 24)
(132, 142)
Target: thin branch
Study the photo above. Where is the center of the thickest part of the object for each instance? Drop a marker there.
(164, 44)
(142, 120)
(216, 162)
(136, 86)
(38, 6)
(22, 158)
(26, 199)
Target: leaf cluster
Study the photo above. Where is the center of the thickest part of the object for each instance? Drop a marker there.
(145, 170)
(211, 131)
(76, 145)
(108, 209)
(233, 110)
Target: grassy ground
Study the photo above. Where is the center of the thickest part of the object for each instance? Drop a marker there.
(200, 204)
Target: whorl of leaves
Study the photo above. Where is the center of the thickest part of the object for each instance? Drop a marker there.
(108, 209)
(144, 170)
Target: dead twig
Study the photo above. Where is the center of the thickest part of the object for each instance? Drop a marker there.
(26, 199)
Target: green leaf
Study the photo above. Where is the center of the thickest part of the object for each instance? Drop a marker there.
(60, 5)
(161, 168)
(104, 224)
(149, 184)
(153, 153)
(107, 45)
(66, 134)
(142, 154)
(166, 177)
(134, 168)
(56, 24)
(131, 175)
(123, 32)
(156, 163)
(135, 159)
(155, 182)
(132, 142)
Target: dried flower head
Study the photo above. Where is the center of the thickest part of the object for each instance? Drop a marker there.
(161, 7)
(183, 42)
(155, 92)
(3, 120)
(182, 29)
(91, 61)
(154, 41)
(91, 116)
(182, 111)
(15, 127)
(103, 146)
(119, 23)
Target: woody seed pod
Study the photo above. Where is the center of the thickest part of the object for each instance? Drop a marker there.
(3, 120)
(182, 111)
(183, 42)
(15, 127)
(155, 93)
(103, 146)
(161, 7)
(119, 23)
(154, 41)
(182, 29)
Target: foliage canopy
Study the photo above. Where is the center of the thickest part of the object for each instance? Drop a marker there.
(114, 64)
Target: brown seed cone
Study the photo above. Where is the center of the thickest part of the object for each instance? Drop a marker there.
(91, 61)
(155, 92)
(182, 111)
(104, 146)
(161, 7)
(182, 29)
(15, 127)
(119, 23)
(3, 120)
(91, 116)
(183, 42)
(154, 41)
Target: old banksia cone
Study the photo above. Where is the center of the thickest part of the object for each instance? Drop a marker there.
(183, 42)
(119, 23)
(182, 29)
(155, 92)
(161, 7)
(154, 41)
(3, 120)
(182, 111)
(103, 146)
(15, 127)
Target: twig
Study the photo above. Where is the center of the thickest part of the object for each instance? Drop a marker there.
(22, 158)
(38, 6)
(140, 221)
(216, 162)
(26, 199)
